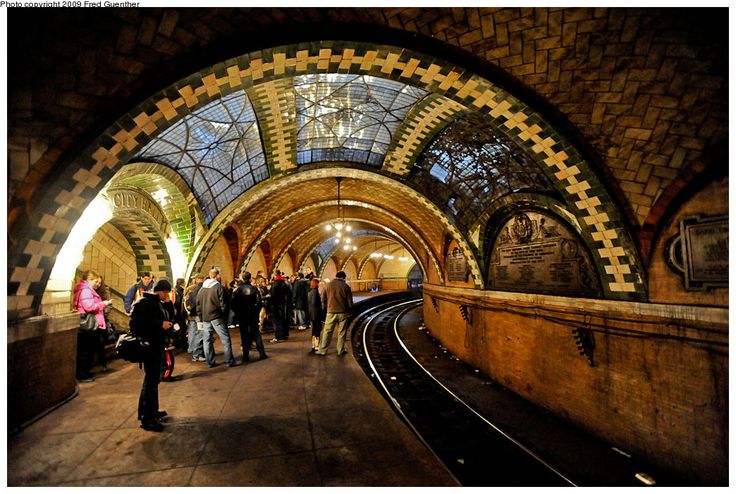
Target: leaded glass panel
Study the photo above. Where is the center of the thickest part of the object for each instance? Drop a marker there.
(469, 164)
(345, 117)
(217, 150)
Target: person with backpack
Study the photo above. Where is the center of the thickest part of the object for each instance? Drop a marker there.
(148, 322)
(247, 303)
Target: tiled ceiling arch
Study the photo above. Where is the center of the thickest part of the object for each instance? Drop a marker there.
(579, 187)
(286, 231)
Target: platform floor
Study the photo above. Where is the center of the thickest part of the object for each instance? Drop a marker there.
(293, 419)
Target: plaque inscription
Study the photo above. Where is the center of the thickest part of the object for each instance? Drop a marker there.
(457, 268)
(699, 253)
(535, 253)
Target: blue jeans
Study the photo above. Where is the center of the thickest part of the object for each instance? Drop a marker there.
(217, 325)
(301, 317)
(196, 345)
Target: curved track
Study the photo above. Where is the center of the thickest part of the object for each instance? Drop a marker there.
(473, 449)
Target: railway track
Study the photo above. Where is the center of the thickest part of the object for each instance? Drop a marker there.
(474, 450)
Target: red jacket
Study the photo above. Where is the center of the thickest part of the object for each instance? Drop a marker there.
(86, 299)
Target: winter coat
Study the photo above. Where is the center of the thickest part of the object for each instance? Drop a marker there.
(211, 301)
(339, 297)
(315, 305)
(87, 300)
(247, 301)
(301, 288)
(147, 319)
(280, 293)
(190, 299)
(134, 293)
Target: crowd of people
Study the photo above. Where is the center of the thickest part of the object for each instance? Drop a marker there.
(190, 316)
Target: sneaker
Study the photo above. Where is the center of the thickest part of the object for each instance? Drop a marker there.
(152, 425)
(344, 352)
(199, 359)
(212, 365)
(86, 379)
(161, 414)
(275, 340)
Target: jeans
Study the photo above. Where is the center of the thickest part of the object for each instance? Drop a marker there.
(148, 400)
(301, 318)
(210, 327)
(196, 345)
(334, 321)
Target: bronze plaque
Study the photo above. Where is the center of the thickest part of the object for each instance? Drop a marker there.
(700, 252)
(535, 253)
(457, 268)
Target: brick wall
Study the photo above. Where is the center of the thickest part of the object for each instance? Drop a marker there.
(649, 393)
(41, 370)
(220, 256)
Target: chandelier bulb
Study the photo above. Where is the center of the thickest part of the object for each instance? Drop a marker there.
(328, 228)
(348, 228)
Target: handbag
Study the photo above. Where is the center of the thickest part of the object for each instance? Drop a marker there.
(88, 322)
(132, 348)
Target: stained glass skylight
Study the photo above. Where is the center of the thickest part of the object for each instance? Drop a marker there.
(476, 165)
(345, 117)
(217, 149)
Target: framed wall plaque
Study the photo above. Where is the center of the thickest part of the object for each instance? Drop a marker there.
(699, 253)
(456, 266)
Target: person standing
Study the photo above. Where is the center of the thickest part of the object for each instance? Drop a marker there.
(246, 304)
(316, 315)
(135, 292)
(212, 311)
(87, 301)
(148, 322)
(301, 288)
(337, 304)
(278, 302)
(180, 315)
(103, 335)
(196, 344)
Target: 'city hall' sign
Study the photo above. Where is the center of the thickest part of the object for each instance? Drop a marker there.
(130, 201)
(537, 254)
(699, 253)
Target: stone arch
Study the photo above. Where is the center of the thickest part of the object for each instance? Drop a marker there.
(278, 224)
(403, 243)
(571, 172)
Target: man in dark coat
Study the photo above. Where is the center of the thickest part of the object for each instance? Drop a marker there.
(148, 321)
(337, 304)
(278, 302)
(246, 304)
(301, 289)
(136, 291)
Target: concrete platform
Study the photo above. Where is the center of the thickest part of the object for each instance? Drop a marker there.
(291, 420)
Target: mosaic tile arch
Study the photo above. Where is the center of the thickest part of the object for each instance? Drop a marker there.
(580, 187)
(173, 195)
(265, 189)
(283, 224)
(147, 244)
(318, 247)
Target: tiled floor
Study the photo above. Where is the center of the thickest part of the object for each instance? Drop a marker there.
(291, 420)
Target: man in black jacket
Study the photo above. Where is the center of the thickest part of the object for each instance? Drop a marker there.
(246, 304)
(278, 303)
(148, 321)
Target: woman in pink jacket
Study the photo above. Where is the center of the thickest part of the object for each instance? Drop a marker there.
(86, 300)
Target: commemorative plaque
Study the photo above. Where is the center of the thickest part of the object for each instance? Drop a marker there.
(456, 266)
(699, 253)
(535, 253)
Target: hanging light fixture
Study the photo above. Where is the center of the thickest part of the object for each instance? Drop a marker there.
(341, 228)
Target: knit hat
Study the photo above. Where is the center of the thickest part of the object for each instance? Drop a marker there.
(162, 286)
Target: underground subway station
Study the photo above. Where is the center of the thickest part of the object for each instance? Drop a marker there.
(408, 246)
